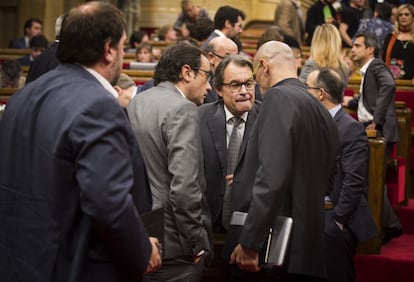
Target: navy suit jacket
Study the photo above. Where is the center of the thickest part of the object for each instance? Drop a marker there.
(43, 63)
(19, 43)
(350, 192)
(213, 139)
(73, 159)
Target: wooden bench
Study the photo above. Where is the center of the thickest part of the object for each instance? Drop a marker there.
(6, 93)
(376, 190)
(139, 76)
(12, 54)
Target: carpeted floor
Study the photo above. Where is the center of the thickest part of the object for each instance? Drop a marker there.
(396, 261)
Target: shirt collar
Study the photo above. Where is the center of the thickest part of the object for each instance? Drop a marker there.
(219, 32)
(229, 115)
(335, 110)
(363, 69)
(105, 83)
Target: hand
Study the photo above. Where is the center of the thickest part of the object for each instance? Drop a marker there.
(229, 179)
(197, 257)
(346, 100)
(155, 259)
(246, 258)
(371, 126)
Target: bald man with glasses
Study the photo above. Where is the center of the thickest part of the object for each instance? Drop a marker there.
(285, 171)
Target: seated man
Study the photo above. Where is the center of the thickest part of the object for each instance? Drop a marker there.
(38, 45)
(32, 27)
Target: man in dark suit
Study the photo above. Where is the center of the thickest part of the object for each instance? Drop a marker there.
(348, 219)
(73, 182)
(285, 171)
(375, 107)
(32, 27)
(228, 22)
(216, 127)
(38, 44)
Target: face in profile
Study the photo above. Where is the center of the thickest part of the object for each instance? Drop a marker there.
(118, 57)
(200, 85)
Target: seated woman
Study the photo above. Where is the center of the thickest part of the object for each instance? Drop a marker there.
(144, 53)
(399, 46)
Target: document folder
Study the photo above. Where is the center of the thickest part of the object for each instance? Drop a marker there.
(154, 223)
(274, 250)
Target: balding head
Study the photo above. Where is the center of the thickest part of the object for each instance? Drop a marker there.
(219, 48)
(276, 59)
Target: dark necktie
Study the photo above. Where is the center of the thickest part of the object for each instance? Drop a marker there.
(232, 158)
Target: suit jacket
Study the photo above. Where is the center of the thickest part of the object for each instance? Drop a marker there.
(350, 192)
(213, 139)
(212, 35)
(25, 61)
(287, 18)
(167, 127)
(379, 99)
(43, 63)
(290, 157)
(19, 43)
(73, 163)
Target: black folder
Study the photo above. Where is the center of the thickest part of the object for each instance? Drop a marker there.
(154, 223)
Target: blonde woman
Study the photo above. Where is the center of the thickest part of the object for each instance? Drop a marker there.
(326, 51)
(398, 47)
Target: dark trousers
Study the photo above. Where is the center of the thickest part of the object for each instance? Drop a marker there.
(177, 270)
(339, 251)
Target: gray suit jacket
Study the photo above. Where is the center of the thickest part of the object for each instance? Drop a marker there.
(213, 137)
(167, 127)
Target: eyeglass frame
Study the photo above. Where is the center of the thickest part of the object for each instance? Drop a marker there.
(209, 74)
(217, 55)
(239, 85)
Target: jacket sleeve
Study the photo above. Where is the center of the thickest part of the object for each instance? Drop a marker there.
(105, 175)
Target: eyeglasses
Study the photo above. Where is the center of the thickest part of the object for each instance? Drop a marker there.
(236, 86)
(207, 72)
(217, 55)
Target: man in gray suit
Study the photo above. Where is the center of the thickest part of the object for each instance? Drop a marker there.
(235, 85)
(166, 123)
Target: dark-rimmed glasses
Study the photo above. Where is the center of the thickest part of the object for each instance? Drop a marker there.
(236, 86)
(207, 72)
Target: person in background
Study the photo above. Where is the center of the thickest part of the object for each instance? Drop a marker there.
(167, 33)
(166, 124)
(74, 135)
(325, 51)
(228, 22)
(321, 12)
(38, 44)
(348, 219)
(144, 53)
(126, 89)
(200, 31)
(398, 48)
(380, 24)
(290, 18)
(32, 27)
(138, 37)
(11, 75)
(190, 13)
(47, 60)
(351, 16)
(216, 51)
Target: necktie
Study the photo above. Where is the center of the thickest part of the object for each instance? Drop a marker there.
(232, 158)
